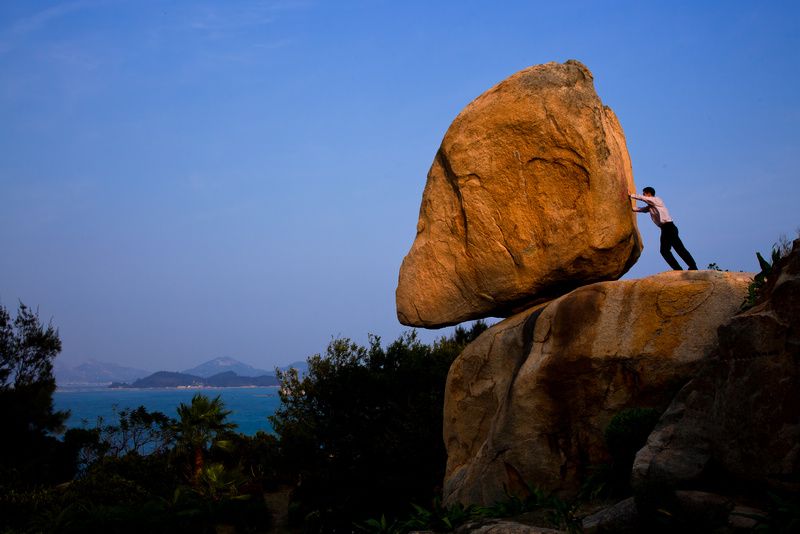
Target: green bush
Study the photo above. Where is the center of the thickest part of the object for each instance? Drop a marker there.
(627, 432)
(258, 456)
(624, 435)
(100, 489)
(153, 472)
(760, 279)
(17, 507)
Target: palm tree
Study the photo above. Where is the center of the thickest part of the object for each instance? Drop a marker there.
(200, 426)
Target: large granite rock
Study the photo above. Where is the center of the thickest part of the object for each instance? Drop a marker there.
(528, 401)
(742, 411)
(525, 201)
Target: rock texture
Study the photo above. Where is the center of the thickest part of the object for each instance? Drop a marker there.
(528, 401)
(698, 512)
(525, 201)
(742, 411)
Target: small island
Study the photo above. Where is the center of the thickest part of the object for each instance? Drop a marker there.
(167, 379)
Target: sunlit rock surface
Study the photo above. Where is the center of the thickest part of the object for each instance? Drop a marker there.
(530, 398)
(526, 200)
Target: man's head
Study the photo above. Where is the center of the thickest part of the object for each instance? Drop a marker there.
(649, 192)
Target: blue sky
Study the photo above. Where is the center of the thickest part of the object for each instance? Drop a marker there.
(186, 180)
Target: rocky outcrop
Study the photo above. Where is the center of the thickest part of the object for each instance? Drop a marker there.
(529, 399)
(698, 512)
(525, 201)
(742, 411)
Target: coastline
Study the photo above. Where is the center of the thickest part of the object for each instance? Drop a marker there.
(68, 388)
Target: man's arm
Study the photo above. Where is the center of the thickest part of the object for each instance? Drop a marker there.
(647, 200)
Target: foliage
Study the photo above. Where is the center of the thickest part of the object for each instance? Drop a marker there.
(121, 490)
(154, 472)
(27, 350)
(54, 520)
(514, 504)
(560, 513)
(99, 488)
(784, 244)
(124, 511)
(627, 431)
(779, 249)
(624, 435)
(760, 279)
(606, 480)
(201, 424)
(258, 456)
(361, 432)
(217, 483)
(440, 519)
(130, 432)
(713, 267)
(362, 429)
(137, 431)
(380, 527)
(17, 507)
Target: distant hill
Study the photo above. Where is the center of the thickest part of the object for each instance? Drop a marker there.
(228, 379)
(94, 373)
(302, 367)
(225, 364)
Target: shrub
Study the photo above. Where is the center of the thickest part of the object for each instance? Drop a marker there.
(99, 489)
(17, 507)
(627, 432)
(152, 472)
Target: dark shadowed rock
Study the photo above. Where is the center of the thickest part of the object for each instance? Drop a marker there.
(743, 408)
(502, 526)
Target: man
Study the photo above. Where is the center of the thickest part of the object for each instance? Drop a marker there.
(669, 232)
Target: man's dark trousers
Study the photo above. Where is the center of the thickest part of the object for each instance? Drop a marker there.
(670, 240)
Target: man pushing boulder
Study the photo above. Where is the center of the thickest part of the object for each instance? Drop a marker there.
(669, 232)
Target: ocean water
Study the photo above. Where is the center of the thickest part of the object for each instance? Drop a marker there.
(250, 406)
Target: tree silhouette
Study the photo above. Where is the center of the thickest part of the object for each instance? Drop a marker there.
(27, 350)
(200, 426)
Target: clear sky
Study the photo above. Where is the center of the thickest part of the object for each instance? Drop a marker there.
(182, 180)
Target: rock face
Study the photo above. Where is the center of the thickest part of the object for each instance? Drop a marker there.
(525, 201)
(530, 398)
(743, 408)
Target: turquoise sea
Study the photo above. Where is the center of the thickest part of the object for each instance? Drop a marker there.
(250, 406)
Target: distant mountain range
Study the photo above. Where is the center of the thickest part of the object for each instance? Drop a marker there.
(94, 373)
(221, 365)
